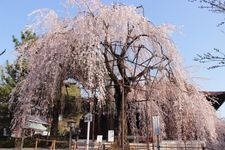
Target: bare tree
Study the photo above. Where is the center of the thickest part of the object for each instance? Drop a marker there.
(217, 56)
(217, 6)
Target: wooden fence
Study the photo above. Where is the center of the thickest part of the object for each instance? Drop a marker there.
(164, 145)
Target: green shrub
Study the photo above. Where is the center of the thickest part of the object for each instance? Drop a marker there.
(7, 143)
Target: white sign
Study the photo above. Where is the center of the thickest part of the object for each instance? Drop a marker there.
(156, 125)
(110, 135)
(99, 138)
(88, 117)
(4, 132)
(60, 117)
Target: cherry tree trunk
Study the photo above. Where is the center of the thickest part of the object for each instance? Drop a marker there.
(121, 120)
(55, 119)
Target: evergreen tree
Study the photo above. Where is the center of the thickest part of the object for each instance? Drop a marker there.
(10, 75)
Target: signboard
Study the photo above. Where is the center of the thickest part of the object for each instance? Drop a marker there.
(60, 117)
(4, 132)
(156, 125)
(88, 117)
(99, 138)
(110, 135)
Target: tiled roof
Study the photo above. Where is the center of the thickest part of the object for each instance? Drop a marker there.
(216, 97)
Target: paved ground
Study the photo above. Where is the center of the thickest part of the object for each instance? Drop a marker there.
(28, 149)
(80, 148)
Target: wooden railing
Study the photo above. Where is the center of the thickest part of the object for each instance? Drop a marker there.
(164, 145)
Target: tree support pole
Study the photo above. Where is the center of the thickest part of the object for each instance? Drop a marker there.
(158, 146)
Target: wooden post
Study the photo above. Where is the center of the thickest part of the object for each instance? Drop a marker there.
(203, 146)
(54, 142)
(74, 146)
(70, 138)
(36, 143)
(53, 145)
(158, 145)
(22, 139)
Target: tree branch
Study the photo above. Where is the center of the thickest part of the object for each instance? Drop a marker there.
(2, 52)
(209, 57)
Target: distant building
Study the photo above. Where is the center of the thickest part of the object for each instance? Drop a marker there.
(217, 98)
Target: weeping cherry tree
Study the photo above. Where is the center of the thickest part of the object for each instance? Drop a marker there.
(113, 44)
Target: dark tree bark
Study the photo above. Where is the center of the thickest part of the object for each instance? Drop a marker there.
(117, 61)
(55, 120)
(56, 110)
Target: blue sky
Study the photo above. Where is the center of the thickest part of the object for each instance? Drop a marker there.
(198, 31)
